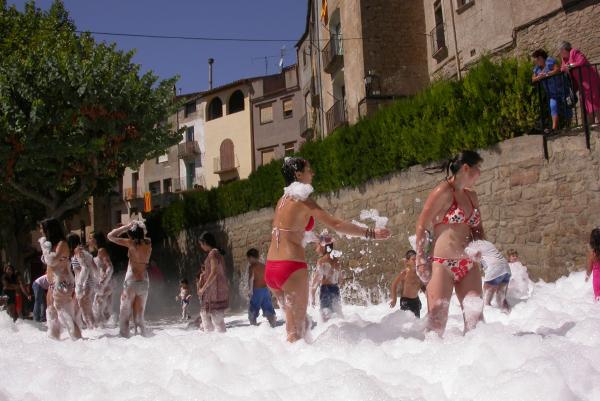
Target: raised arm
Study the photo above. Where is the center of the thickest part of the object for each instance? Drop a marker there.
(114, 235)
(342, 226)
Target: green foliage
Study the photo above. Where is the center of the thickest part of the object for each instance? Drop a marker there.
(492, 103)
(73, 113)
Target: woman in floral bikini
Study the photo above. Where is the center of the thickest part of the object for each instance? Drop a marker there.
(452, 209)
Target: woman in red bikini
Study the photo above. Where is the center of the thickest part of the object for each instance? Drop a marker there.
(286, 271)
(452, 209)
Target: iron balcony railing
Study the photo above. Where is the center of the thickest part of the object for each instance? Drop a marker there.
(333, 54)
(189, 183)
(225, 165)
(336, 116)
(438, 39)
(306, 126)
(188, 150)
(574, 95)
(132, 193)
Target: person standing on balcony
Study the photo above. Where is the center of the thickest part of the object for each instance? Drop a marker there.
(585, 79)
(547, 72)
(286, 272)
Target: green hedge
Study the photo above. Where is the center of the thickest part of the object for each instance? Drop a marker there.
(495, 101)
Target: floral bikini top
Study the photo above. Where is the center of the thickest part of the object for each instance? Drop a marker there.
(457, 215)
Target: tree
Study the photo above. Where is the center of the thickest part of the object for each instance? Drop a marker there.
(73, 112)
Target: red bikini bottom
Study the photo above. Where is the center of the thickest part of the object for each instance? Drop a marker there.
(278, 271)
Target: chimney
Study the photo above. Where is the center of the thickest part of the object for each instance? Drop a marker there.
(210, 71)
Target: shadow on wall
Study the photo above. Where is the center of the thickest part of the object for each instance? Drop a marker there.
(181, 257)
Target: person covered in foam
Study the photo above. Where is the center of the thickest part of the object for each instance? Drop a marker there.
(60, 309)
(103, 299)
(411, 285)
(452, 209)
(327, 278)
(286, 272)
(137, 282)
(496, 272)
(86, 272)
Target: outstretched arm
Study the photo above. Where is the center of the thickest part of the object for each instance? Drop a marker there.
(344, 227)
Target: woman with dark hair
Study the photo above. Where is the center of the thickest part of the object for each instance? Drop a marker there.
(60, 303)
(594, 262)
(214, 288)
(85, 271)
(137, 283)
(103, 299)
(12, 284)
(452, 209)
(286, 271)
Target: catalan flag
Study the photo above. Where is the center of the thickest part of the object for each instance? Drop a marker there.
(147, 202)
(324, 15)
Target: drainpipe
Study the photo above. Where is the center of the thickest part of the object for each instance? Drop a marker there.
(319, 82)
(458, 72)
(210, 73)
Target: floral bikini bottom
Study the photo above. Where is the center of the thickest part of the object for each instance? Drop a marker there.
(458, 267)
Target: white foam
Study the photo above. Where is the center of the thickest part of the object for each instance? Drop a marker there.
(548, 349)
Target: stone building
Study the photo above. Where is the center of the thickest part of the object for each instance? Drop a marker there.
(276, 111)
(472, 28)
(361, 54)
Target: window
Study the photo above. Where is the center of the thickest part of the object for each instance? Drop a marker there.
(289, 148)
(438, 36)
(462, 3)
(236, 102)
(266, 114)
(154, 187)
(162, 158)
(227, 154)
(288, 108)
(190, 108)
(215, 109)
(167, 186)
(189, 134)
(267, 155)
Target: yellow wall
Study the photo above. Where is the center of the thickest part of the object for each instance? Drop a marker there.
(236, 127)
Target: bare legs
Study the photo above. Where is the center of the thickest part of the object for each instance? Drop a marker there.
(439, 291)
(85, 301)
(61, 313)
(132, 305)
(294, 299)
(499, 292)
(213, 319)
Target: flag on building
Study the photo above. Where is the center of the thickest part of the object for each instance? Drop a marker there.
(147, 202)
(324, 15)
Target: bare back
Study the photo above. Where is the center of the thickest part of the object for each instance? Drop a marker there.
(289, 223)
(139, 257)
(257, 270)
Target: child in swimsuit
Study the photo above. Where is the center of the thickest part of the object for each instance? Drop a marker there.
(184, 296)
(411, 284)
(260, 296)
(594, 262)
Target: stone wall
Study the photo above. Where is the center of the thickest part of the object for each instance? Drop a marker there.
(543, 208)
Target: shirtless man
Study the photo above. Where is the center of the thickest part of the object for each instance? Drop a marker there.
(137, 283)
(260, 296)
(411, 284)
(327, 277)
(60, 311)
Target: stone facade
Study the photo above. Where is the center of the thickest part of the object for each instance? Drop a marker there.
(543, 208)
(515, 27)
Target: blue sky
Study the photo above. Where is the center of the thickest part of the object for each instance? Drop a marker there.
(276, 19)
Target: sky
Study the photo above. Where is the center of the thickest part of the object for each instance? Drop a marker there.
(272, 19)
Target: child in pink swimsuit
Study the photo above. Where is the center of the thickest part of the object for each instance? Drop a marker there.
(594, 262)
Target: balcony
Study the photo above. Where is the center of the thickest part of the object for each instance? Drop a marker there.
(188, 150)
(336, 116)
(333, 54)
(189, 183)
(306, 126)
(438, 42)
(222, 166)
(132, 193)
